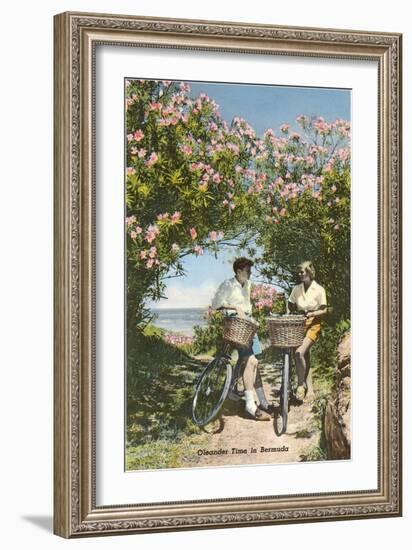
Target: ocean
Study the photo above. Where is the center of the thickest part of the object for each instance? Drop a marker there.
(179, 320)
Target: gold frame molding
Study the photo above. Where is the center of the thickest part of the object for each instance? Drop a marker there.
(76, 35)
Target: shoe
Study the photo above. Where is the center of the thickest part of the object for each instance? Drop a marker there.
(300, 393)
(259, 415)
(270, 409)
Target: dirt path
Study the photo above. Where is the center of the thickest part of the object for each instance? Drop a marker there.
(234, 439)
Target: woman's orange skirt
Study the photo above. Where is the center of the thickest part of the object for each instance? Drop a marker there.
(312, 329)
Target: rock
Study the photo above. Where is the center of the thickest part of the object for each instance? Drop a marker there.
(338, 407)
(344, 352)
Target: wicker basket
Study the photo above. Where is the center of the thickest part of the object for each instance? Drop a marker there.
(286, 331)
(239, 332)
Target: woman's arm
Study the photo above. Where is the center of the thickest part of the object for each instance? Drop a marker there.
(292, 307)
(322, 310)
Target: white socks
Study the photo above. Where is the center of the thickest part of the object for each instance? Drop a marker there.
(250, 402)
(262, 397)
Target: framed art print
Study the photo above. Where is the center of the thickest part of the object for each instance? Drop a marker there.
(227, 274)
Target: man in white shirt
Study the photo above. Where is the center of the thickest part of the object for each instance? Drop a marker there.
(234, 294)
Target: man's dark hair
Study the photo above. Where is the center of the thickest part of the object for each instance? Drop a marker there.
(241, 263)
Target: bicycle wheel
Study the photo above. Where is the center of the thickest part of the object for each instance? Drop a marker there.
(284, 392)
(211, 390)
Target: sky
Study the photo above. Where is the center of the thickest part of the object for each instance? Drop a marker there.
(263, 107)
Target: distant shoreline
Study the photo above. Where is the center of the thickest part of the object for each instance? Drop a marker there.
(180, 320)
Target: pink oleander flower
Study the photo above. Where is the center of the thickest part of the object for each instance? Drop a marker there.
(138, 229)
(302, 120)
(151, 233)
(220, 234)
(151, 160)
(130, 170)
(138, 135)
(343, 154)
(155, 106)
(284, 128)
(141, 153)
(131, 220)
(184, 87)
(186, 150)
(282, 212)
(333, 188)
(217, 178)
(133, 235)
(152, 252)
(193, 233)
(164, 216)
(143, 254)
(150, 263)
(213, 236)
(198, 250)
(175, 247)
(176, 217)
(129, 137)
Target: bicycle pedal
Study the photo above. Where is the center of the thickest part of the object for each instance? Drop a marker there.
(233, 396)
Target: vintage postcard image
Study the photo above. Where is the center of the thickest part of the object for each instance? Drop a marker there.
(237, 206)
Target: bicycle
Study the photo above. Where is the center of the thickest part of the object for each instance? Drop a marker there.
(286, 332)
(218, 377)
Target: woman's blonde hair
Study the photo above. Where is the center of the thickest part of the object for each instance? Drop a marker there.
(308, 267)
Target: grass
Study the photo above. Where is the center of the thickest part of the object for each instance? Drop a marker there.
(160, 384)
(163, 453)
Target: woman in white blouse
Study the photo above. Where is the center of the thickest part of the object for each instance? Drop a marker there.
(309, 298)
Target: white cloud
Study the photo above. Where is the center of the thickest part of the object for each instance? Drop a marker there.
(179, 296)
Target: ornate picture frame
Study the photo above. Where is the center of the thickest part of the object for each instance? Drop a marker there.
(76, 510)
